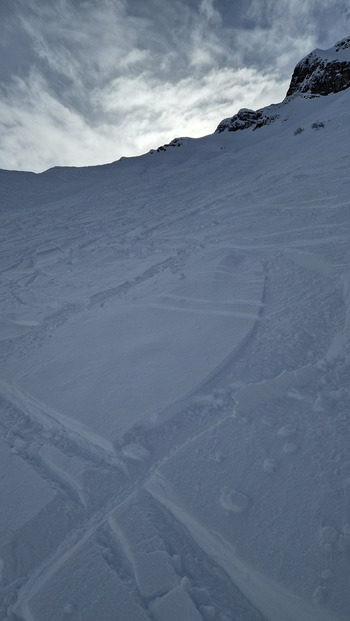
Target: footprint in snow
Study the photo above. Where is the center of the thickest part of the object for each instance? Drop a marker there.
(270, 465)
(287, 431)
(320, 595)
(135, 451)
(290, 448)
(234, 501)
(326, 574)
(335, 539)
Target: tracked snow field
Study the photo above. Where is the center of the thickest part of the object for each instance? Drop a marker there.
(174, 380)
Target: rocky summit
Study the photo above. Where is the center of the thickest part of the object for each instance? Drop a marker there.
(320, 73)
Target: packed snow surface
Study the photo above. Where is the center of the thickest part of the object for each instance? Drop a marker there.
(174, 380)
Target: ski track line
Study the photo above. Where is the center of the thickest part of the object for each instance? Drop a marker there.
(50, 419)
(67, 549)
(211, 543)
(208, 542)
(200, 311)
(108, 294)
(49, 567)
(203, 300)
(183, 401)
(56, 562)
(275, 602)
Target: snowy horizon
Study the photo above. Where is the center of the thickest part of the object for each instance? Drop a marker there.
(85, 83)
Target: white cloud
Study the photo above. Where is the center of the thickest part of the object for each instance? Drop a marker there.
(287, 30)
(41, 132)
(137, 113)
(134, 57)
(206, 7)
(118, 77)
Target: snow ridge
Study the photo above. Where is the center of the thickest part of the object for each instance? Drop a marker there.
(320, 73)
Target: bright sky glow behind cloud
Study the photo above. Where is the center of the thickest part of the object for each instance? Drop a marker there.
(87, 81)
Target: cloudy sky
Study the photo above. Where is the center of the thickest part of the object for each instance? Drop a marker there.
(86, 81)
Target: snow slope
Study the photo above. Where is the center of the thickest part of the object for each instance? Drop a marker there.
(174, 379)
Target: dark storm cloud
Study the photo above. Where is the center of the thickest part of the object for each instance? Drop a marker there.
(86, 81)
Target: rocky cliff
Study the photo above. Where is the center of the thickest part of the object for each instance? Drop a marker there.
(320, 73)
(323, 71)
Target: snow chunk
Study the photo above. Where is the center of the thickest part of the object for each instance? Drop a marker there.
(234, 501)
(174, 606)
(135, 451)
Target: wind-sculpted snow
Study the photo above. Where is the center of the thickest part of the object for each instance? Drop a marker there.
(174, 380)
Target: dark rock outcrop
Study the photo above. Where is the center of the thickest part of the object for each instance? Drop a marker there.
(247, 118)
(322, 74)
(176, 142)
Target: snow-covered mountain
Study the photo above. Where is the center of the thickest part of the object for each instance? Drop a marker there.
(175, 363)
(320, 73)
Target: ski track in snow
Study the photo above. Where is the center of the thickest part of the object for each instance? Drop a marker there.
(274, 602)
(174, 396)
(54, 421)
